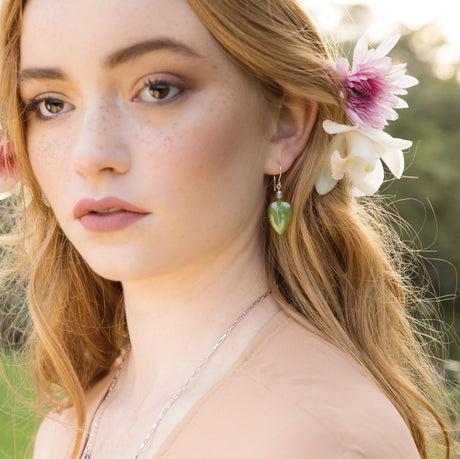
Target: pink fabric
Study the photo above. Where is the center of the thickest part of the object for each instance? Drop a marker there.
(291, 395)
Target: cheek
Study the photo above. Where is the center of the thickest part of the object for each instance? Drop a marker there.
(210, 145)
(207, 167)
(48, 160)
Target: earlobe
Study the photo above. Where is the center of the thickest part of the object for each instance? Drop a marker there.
(294, 124)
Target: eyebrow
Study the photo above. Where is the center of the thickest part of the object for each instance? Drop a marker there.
(42, 74)
(126, 54)
(115, 59)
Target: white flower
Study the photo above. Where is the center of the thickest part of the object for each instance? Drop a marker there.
(8, 187)
(357, 153)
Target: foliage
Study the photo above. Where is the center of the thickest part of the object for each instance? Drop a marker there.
(428, 197)
(18, 422)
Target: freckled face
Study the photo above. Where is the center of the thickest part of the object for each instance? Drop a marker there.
(172, 127)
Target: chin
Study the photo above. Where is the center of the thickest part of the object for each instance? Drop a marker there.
(126, 264)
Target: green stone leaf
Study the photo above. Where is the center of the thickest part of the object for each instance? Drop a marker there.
(279, 213)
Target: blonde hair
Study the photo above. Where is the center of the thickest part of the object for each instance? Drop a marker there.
(337, 270)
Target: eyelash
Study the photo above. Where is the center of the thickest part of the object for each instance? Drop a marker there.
(33, 106)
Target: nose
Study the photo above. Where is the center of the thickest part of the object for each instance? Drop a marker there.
(100, 146)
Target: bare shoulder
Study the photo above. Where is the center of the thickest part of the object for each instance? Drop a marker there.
(56, 435)
(58, 431)
(325, 387)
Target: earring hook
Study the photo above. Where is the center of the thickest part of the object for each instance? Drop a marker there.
(277, 186)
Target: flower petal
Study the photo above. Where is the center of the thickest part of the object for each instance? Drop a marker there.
(4, 195)
(360, 52)
(359, 145)
(325, 183)
(407, 81)
(338, 165)
(7, 186)
(371, 182)
(386, 46)
(394, 159)
(331, 127)
(385, 140)
(342, 66)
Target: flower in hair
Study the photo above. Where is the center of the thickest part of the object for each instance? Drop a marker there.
(9, 181)
(358, 147)
(373, 84)
(359, 155)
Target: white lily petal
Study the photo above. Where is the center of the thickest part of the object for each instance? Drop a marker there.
(331, 127)
(385, 140)
(371, 182)
(339, 144)
(359, 145)
(325, 183)
(394, 159)
(7, 185)
(386, 46)
(27, 195)
(338, 165)
(5, 195)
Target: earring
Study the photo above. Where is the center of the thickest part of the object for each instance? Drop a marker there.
(279, 212)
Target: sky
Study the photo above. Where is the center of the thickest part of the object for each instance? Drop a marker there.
(388, 14)
(413, 13)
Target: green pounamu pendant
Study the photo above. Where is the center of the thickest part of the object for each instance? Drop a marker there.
(279, 213)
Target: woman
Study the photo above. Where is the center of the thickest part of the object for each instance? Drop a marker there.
(152, 136)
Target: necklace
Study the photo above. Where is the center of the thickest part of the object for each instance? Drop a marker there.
(100, 411)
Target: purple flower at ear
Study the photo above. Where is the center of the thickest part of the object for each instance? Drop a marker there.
(373, 84)
(9, 180)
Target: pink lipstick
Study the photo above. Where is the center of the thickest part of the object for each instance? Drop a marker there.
(107, 214)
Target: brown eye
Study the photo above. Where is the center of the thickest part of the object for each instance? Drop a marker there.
(52, 106)
(159, 91)
(155, 92)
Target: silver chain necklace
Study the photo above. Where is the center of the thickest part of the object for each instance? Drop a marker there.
(100, 411)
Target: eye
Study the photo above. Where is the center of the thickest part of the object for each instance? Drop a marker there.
(47, 107)
(158, 91)
(51, 107)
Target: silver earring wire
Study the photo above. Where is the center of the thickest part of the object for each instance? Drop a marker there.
(277, 185)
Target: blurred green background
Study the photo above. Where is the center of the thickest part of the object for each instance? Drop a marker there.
(428, 198)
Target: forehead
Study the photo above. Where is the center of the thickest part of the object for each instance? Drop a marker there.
(60, 29)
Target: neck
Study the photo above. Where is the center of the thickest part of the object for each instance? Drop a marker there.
(175, 320)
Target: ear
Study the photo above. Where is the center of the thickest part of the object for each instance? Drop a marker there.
(291, 127)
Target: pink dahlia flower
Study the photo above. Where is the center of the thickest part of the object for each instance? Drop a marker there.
(373, 84)
(9, 181)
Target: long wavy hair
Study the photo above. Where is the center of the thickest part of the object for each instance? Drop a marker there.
(338, 270)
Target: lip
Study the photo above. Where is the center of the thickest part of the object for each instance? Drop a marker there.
(87, 205)
(85, 211)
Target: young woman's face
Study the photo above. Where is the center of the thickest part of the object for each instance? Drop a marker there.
(134, 100)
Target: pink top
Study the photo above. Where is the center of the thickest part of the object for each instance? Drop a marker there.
(291, 395)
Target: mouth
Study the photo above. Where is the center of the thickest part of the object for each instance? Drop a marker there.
(107, 214)
(104, 206)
